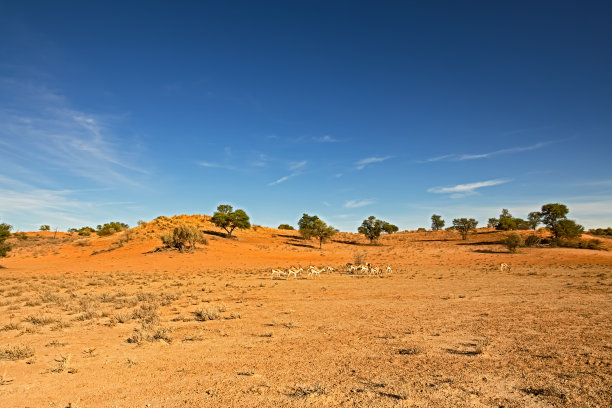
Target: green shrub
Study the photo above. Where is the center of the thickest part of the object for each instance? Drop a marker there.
(184, 237)
(422, 229)
(85, 231)
(533, 241)
(45, 227)
(513, 242)
(601, 232)
(5, 233)
(286, 227)
(110, 228)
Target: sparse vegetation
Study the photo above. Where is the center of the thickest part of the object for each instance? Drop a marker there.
(372, 228)
(314, 227)
(111, 228)
(5, 233)
(464, 226)
(506, 222)
(601, 232)
(226, 218)
(183, 237)
(534, 219)
(554, 216)
(437, 223)
(286, 227)
(513, 242)
(45, 227)
(532, 241)
(16, 352)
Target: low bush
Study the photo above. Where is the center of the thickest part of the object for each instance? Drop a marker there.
(286, 227)
(184, 237)
(533, 241)
(513, 242)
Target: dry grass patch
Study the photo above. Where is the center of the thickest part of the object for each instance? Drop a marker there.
(16, 352)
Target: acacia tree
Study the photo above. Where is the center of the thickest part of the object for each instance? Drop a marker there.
(314, 227)
(45, 227)
(372, 228)
(568, 229)
(229, 220)
(437, 223)
(5, 232)
(533, 219)
(464, 226)
(551, 215)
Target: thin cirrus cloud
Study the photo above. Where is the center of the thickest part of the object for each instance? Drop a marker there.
(361, 164)
(326, 139)
(462, 157)
(40, 127)
(281, 180)
(216, 165)
(298, 165)
(358, 203)
(461, 190)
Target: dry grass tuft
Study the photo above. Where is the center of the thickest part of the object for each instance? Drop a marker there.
(16, 352)
(304, 390)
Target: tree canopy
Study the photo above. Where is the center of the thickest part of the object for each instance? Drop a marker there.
(311, 226)
(5, 233)
(372, 228)
(534, 218)
(437, 223)
(226, 218)
(464, 226)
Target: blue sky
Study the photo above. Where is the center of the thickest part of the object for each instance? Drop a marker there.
(130, 110)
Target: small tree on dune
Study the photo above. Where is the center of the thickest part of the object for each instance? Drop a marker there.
(372, 228)
(226, 218)
(5, 233)
(464, 226)
(554, 216)
(534, 218)
(45, 227)
(437, 223)
(314, 227)
(568, 229)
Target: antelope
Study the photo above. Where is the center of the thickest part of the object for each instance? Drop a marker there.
(312, 270)
(504, 267)
(294, 271)
(329, 269)
(388, 270)
(277, 272)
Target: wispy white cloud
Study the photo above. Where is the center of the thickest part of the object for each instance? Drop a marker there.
(461, 190)
(358, 203)
(281, 180)
(216, 165)
(326, 139)
(41, 128)
(361, 164)
(298, 165)
(462, 157)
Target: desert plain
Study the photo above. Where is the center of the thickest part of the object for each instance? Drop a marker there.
(111, 322)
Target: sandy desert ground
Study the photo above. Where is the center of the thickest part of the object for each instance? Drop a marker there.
(105, 322)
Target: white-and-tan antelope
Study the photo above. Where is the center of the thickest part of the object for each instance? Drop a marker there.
(504, 267)
(277, 272)
(315, 272)
(294, 271)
